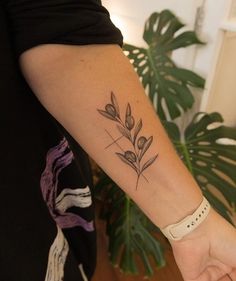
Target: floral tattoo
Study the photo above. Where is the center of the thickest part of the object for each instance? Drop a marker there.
(130, 130)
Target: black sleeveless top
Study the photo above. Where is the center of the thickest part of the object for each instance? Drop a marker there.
(47, 230)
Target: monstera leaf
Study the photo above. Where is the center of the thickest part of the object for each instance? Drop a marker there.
(167, 85)
(129, 231)
(210, 159)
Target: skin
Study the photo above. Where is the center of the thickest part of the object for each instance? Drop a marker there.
(208, 253)
(72, 82)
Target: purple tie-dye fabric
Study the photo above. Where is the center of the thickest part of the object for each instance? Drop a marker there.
(57, 159)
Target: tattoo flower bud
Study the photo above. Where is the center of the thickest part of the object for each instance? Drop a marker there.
(129, 122)
(130, 156)
(110, 109)
(141, 142)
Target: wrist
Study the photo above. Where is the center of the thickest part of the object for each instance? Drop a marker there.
(202, 231)
(188, 224)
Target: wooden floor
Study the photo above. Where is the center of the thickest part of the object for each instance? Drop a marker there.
(106, 272)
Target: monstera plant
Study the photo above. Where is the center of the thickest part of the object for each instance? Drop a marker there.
(201, 145)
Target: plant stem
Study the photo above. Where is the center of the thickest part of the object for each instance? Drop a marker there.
(187, 158)
(127, 211)
(153, 65)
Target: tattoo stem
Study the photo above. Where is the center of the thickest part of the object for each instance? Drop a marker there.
(114, 142)
(137, 181)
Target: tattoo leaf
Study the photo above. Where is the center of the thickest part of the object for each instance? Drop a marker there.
(115, 103)
(137, 129)
(122, 157)
(124, 132)
(146, 146)
(128, 110)
(107, 115)
(149, 163)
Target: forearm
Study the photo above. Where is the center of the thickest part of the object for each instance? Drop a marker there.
(75, 84)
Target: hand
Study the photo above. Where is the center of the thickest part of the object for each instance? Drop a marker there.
(209, 252)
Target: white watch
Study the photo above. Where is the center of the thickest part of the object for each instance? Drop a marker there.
(178, 230)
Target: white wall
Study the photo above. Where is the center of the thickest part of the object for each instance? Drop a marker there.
(213, 17)
(222, 97)
(130, 16)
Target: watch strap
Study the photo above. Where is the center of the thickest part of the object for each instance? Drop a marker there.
(178, 230)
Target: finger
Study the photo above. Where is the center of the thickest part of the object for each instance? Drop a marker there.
(232, 275)
(225, 278)
(213, 273)
(229, 278)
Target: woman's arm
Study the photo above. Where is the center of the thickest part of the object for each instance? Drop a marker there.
(95, 94)
(75, 84)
